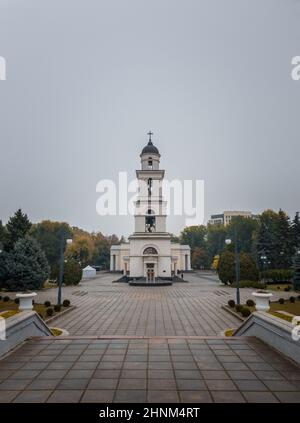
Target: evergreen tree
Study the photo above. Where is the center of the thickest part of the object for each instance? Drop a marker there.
(283, 244)
(17, 227)
(296, 232)
(28, 267)
(2, 235)
(296, 276)
(266, 238)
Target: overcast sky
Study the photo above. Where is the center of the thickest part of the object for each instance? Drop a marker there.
(87, 79)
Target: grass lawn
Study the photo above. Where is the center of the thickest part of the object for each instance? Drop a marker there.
(39, 308)
(293, 308)
(276, 308)
(279, 287)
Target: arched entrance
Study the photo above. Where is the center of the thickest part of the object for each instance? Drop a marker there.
(150, 264)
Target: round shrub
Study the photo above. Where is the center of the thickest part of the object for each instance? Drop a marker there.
(17, 300)
(245, 312)
(231, 303)
(49, 311)
(281, 300)
(6, 299)
(57, 308)
(238, 308)
(47, 303)
(0, 297)
(298, 297)
(66, 303)
(292, 299)
(250, 303)
(72, 273)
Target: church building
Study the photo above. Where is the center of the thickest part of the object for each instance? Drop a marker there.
(149, 253)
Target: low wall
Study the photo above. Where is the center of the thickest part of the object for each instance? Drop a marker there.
(20, 327)
(273, 331)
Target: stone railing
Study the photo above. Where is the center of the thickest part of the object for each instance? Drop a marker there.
(274, 331)
(20, 327)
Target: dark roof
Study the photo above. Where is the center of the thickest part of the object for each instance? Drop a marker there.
(150, 149)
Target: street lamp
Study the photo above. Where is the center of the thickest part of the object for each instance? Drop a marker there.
(63, 241)
(237, 264)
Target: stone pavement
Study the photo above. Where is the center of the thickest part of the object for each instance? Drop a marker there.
(106, 308)
(147, 370)
(147, 344)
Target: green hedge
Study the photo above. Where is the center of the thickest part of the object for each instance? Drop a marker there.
(277, 275)
(250, 284)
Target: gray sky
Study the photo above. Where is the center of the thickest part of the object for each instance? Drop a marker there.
(87, 79)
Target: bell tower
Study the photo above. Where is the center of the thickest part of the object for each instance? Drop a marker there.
(150, 208)
(150, 244)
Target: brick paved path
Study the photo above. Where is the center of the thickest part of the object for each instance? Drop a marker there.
(148, 370)
(147, 344)
(106, 308)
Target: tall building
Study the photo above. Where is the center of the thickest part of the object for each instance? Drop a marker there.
(150, 254)
(225, 217)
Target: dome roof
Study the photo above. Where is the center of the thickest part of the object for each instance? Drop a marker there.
(150, 149)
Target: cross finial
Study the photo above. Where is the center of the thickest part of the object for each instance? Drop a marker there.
(150, 135)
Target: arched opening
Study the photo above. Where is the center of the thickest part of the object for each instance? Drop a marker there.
(150, 251)
(150, 221)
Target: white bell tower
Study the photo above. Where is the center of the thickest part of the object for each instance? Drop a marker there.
(150, 234)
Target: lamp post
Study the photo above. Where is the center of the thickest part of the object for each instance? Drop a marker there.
(63, 241)
(237, 264)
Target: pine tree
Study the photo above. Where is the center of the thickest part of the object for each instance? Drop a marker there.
(265, 239)
(2, 235)
(284, 246)
(296, 276)
(296, 232)
(28, 268)
(17, 227)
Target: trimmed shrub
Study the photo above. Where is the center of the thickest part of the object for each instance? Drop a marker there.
(238, 308)
(0, 297)
(298, 297)
(226, 267)
(281, 300)
(57, 308)
(287, 288)
(250, 303)
(277, 275)
(250, 284)
(66, 303)
(49, 311)
(245, 312)
(17, 300)
(6, 299)
(72, 272)
(292, 299)
(47, 303)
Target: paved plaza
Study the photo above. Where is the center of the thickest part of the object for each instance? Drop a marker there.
(148, 370)
(107, 308)
(147, 344)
